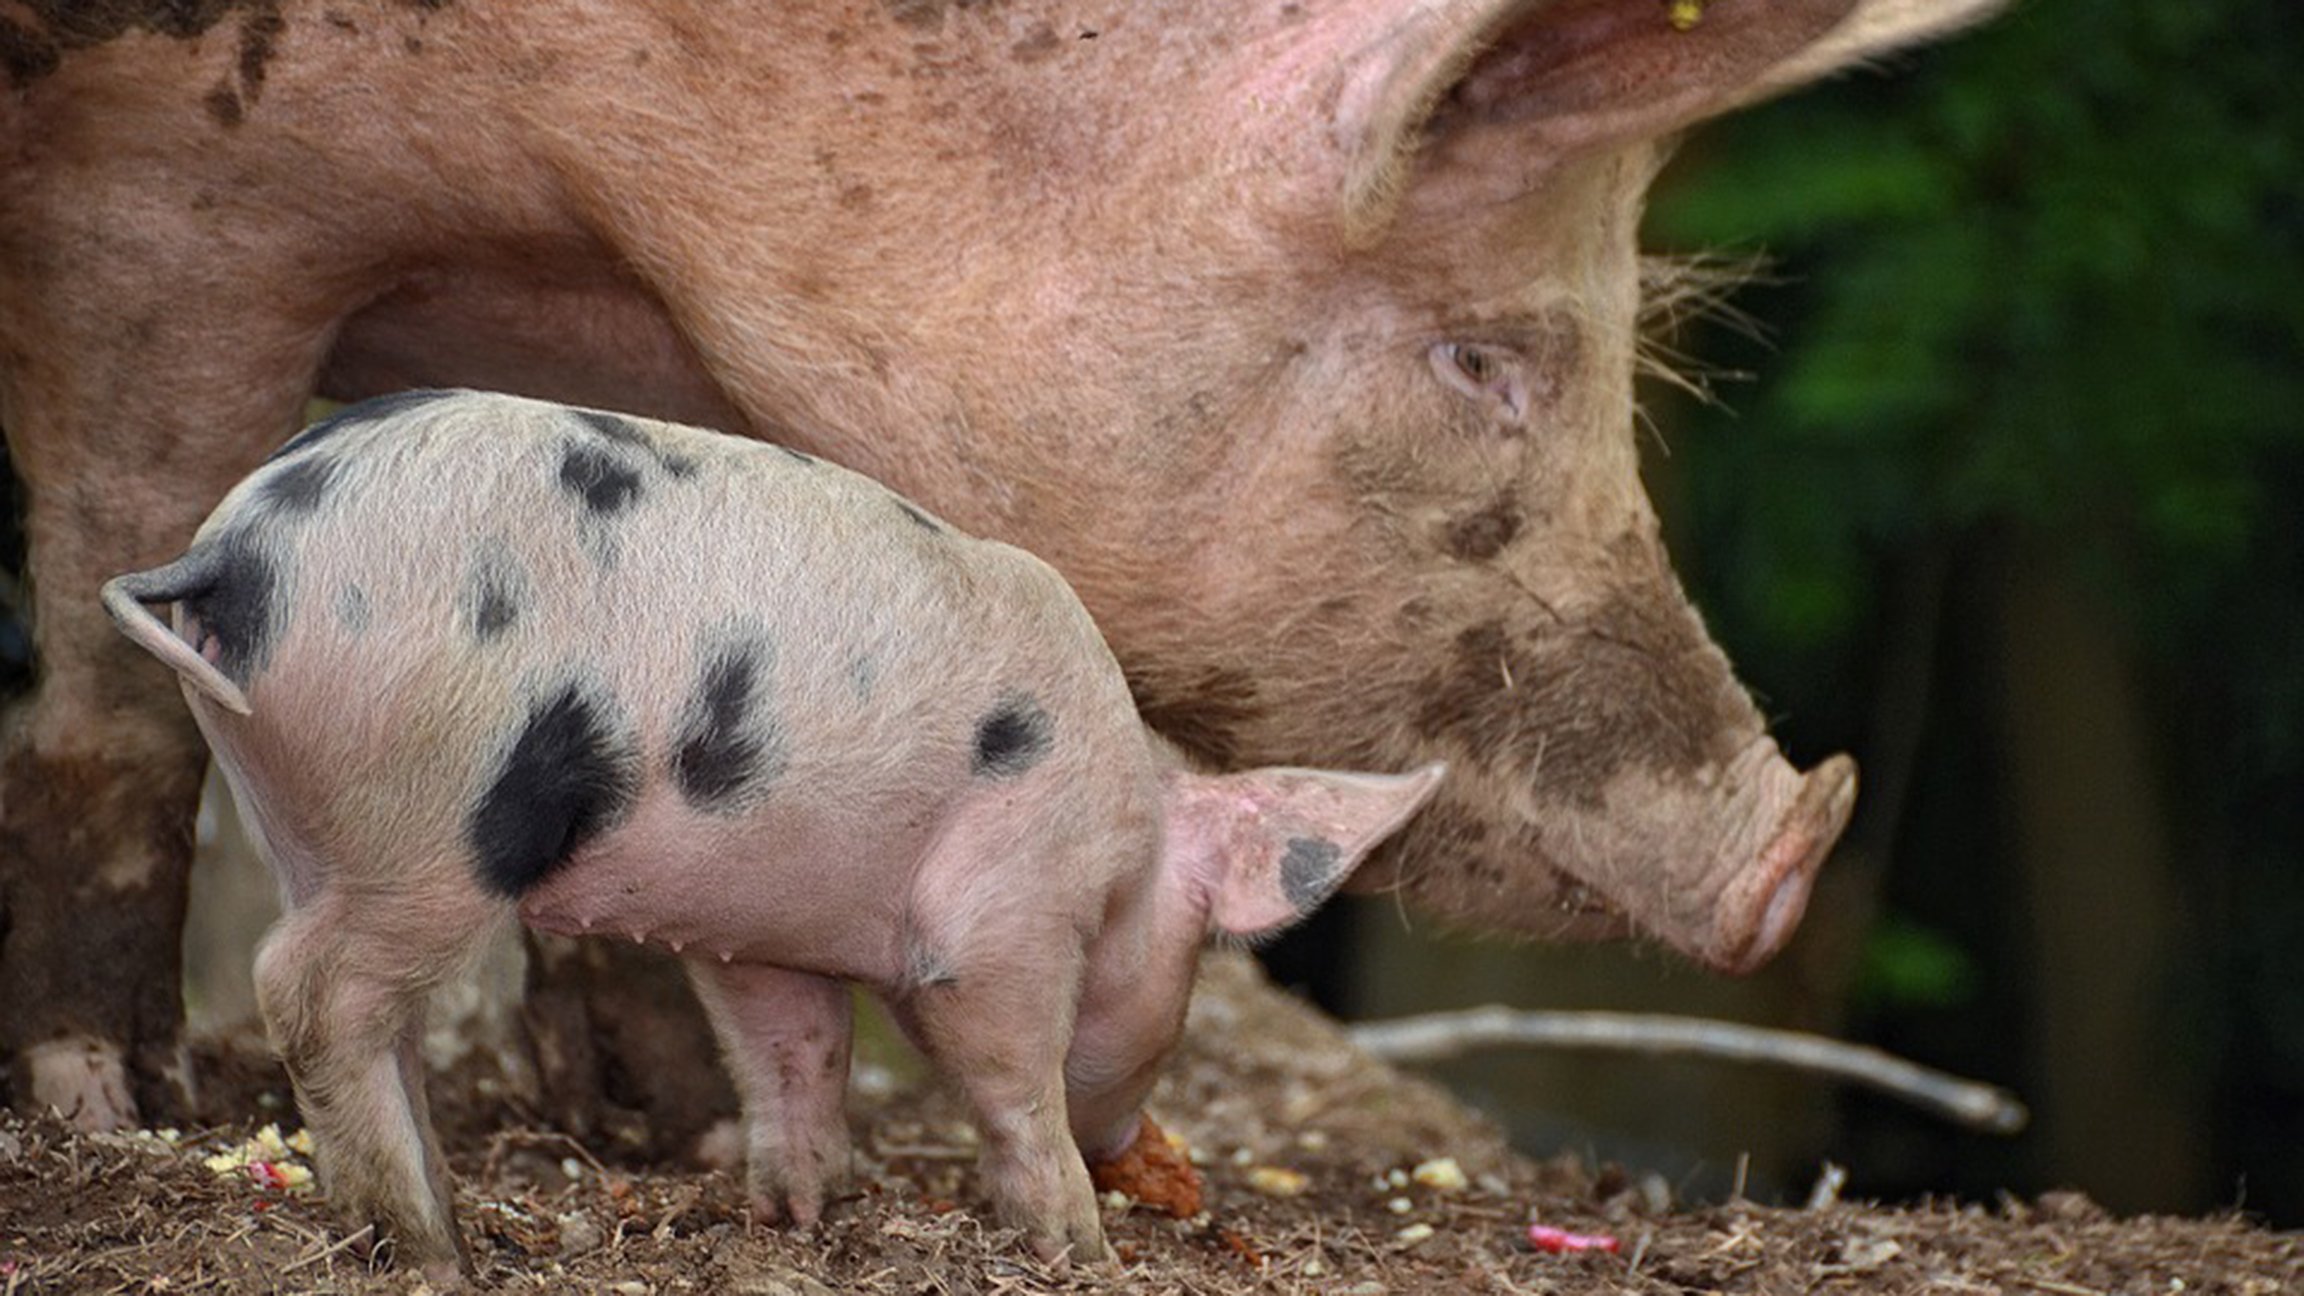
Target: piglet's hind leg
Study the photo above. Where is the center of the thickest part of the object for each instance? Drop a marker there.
(345, 1008)
(786, 1038)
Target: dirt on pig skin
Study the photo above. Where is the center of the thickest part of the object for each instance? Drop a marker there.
(1260, 1083)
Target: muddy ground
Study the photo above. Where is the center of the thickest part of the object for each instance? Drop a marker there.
(1263, 1091)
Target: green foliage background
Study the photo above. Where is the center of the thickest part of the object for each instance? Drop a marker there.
(2052, 280)
(2043, 292)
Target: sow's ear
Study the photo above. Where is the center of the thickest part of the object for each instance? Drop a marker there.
(1265, 847)
(1482, 96)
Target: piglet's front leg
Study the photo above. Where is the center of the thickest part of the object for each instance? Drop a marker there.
(786, 1038)
(999, 1033)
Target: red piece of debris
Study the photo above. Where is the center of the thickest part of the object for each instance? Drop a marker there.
(1545, 1238)
(267, 1175)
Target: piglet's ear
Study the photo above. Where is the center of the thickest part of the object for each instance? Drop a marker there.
(1474, 100)
(1265, 847)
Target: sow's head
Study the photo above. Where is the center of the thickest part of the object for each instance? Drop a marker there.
(1361, 484)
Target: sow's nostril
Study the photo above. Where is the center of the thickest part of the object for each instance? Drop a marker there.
(1751, 933)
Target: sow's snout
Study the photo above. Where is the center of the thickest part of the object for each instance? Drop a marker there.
(1716, 863)
(1767, 888)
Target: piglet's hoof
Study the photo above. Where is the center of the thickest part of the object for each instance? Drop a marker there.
(1153, 1171)
(439, 1274)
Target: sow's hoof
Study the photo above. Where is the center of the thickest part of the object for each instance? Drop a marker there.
(1153, 1171)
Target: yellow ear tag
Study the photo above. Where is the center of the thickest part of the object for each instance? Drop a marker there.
(1684, 14)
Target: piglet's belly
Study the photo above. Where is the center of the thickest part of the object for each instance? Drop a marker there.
(806, 901)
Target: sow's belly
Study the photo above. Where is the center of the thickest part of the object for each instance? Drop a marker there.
(777, 887)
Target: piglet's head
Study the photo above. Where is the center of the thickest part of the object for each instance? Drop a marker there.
(1259, 850)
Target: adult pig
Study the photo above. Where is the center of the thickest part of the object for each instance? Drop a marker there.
(1298, 334)
(464, 655)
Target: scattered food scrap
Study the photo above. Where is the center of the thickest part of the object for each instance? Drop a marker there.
(1155, 1171)
(266, 1160)
(1276, 1181)
(1546, 1238)
(1441, 1174)
(1240, 1246)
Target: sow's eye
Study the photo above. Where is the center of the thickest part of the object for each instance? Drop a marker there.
(1491, 376)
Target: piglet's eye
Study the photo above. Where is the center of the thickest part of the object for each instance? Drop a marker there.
(1488, 375)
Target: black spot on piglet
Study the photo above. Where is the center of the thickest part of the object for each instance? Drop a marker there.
(1012, 739)
(1308, 870)
(496, 591)
(352, 609)
(493, 612)
(727, 741)
(623, 431)
(615, 427)
(360, 415)
(235, 606)
(567, 778)
(492, 599)
(299, 486)
(597, 478)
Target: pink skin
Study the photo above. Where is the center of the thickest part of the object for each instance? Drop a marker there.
(1298, 337)
(1033, 916)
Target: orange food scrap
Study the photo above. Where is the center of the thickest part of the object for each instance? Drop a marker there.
(1154, 1172)
(1241, 1247)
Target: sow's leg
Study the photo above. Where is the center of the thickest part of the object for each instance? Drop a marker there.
(129, 410)
(343, 980)
(786, 1038)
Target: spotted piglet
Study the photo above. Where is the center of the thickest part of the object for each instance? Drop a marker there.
(466, 656)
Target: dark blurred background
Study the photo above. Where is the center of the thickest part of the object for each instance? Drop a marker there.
(2000, 489)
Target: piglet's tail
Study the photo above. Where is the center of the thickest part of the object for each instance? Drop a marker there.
(127, 599)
